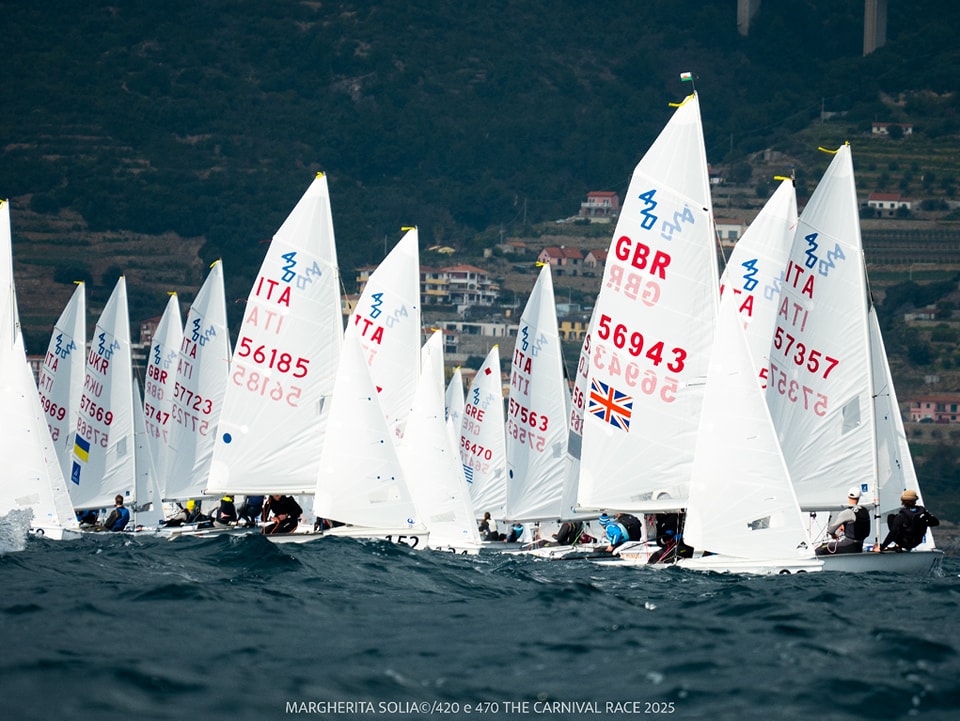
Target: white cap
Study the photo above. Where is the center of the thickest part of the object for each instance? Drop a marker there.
(854, 493)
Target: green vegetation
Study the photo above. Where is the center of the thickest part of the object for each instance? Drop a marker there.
(209, 119)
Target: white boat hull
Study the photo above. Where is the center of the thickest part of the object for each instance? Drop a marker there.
(56, 533)
(406, 536)
(914, 562)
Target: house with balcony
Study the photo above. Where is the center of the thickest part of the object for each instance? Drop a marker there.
(936, 409)
(459, 285)
(601, 206)
(468, 286)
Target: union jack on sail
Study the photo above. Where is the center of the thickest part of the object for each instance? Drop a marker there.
(610, 405)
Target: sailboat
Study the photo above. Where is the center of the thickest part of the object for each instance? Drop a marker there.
(482, 440)
(32, 489)
(652, 330)
(160, 386)
(61, 376)
(742, 508)
(537, 411)
(431, 462)
(828, 373)
(277, 399)
(201, 377)
(361, 481)
(103, 464)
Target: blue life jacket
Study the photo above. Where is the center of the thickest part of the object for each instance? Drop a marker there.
(122, 521)
(617, 533)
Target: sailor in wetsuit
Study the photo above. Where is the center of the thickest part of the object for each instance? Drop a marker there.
(854, 522)
(286, 514)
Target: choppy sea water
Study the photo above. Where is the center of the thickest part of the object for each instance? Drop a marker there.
(139, 627)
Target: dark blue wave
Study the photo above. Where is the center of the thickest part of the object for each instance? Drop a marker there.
(140, 627)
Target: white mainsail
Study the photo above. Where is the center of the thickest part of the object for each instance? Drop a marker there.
(483, 443)
(103, 448)
(653, 329)
(201, 377)
(360, 479)
(537, 410)
(387, 323)
(754, 272)
(820, 384)
(432, 464)
(32, 479)
(284, 366)
(741, 502)
(160, 386)
(61, 376)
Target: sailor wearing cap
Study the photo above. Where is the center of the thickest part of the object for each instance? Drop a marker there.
(849, 529)
(909, 526)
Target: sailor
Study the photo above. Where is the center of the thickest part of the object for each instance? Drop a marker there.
(849, 529)
(286, 514)
(226, 514)
(516, 533)
(908, 527)
(119, 517)
(187, 514)
(251, 510)
(615, 532)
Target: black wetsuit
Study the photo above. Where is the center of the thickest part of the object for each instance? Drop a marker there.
(286, 506)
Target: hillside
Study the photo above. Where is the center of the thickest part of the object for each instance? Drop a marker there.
(206, 121)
